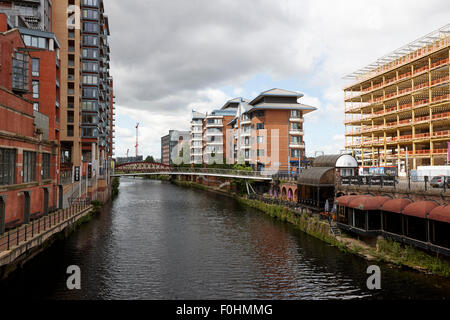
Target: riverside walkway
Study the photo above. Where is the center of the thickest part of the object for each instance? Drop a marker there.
(140, 169)
(24, 238)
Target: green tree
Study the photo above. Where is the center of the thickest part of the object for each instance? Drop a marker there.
(149, 159)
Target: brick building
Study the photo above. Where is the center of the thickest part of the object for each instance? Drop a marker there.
(28, 158)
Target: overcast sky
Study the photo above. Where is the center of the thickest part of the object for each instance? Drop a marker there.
(169, 57)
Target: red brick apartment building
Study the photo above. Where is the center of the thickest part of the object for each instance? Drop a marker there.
(268, 131)
(29, 133)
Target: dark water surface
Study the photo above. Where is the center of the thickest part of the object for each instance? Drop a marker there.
(160, 241)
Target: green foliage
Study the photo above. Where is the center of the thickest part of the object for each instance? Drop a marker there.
(149, 159)
(115, 187)
(406, 255)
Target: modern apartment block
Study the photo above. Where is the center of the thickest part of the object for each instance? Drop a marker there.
(215, 126)
(397, 112)
(196, 137)
(28, 14)
(268, 131)
(172, 144)
(82, 29)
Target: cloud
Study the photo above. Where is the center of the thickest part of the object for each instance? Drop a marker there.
(168, 57)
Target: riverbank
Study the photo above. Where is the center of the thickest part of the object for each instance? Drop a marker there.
(41, 234)
(386, 251)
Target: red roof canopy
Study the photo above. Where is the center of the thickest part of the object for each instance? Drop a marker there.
(344, 200)
(395, 205)
(419, 209)
(441, 213)
(368, 202)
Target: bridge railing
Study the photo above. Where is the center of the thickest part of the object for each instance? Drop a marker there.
(241, 173)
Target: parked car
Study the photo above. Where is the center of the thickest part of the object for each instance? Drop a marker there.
(438, 181)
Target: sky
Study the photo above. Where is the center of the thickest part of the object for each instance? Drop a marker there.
(170, 57)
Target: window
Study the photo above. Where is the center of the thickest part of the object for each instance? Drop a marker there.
(20, 71)
(92, 3)
(90, 93)
(295, 126)
(90, 53)
(89, 119)
(7, 166)
(90, 40)
(90, 14)
(259, 126)
(295, 114)
(90, 27)
(260, 152)
(260, 139)
(29, 166)
(35, 89)
(295, 153)
(89, 132)
(90, 105)
(90, 66)
(90, 79)
(45, 166)
(35, 67)
(295, 140)
(36, 42)
(36, 106)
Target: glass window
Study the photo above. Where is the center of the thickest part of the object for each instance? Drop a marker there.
(7, 166)
(260, 139)
(90, 79)
(295, 153)
(92, 3)
(90, 93)
(259, 126)
(35, 89)
(260, 152)
(20, 71)
(27, 40)
(90, 14)
(42, 43)
(35, 67)
(29, 166)
(36, 106)
(45, 166)
(90, 27)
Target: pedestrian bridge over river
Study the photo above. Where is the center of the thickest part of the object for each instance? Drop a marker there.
(152, 168)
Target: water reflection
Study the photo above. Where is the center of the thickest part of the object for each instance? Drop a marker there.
(159, 241)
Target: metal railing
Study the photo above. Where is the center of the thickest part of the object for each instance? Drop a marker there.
(382, 181)
(407, 183)
(188, 170)
(39, 226)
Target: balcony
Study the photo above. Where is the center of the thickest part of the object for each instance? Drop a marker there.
(297, 145)
(297, 119)
(296, 132)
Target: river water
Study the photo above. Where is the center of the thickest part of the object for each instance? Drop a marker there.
(160, 241)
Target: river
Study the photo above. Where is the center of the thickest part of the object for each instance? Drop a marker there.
(160, 241)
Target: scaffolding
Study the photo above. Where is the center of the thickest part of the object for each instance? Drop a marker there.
(398, 111)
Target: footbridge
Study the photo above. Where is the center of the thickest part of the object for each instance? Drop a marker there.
(151, 168)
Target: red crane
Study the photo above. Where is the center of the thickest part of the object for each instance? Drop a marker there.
(137, 143)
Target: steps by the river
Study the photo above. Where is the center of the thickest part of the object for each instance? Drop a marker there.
(335, 230)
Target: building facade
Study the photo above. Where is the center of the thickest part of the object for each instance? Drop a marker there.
(28, 159)
(196, 137)
(174, 145)
(397, 112)
(86, 92)
(28, 14)
(267, 132)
